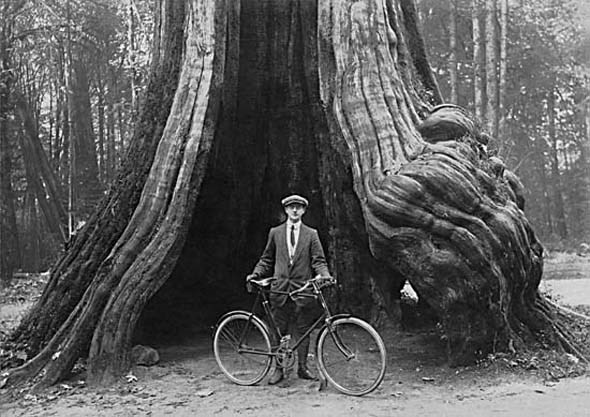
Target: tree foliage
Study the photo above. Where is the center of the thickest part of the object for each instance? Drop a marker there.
(72, 71)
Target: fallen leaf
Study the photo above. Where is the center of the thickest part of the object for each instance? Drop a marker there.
(427, 379)
(130, 378)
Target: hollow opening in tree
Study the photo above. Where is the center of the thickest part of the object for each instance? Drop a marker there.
(267, 145)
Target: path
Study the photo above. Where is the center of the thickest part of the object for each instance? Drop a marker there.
(187, 382)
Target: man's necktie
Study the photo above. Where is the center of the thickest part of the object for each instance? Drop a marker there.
(293, 237)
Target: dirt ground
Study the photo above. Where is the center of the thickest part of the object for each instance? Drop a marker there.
(187, 381)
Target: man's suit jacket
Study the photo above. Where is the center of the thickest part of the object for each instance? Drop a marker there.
(308, 261)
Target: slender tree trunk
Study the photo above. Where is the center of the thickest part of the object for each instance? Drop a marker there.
(70, 159)
(87, 189)
(556, 181)
(502, 134)
(131, 54)
(545, 191)
(9, 239)
(55, 155)
(478, 60)
(584, 176)
(31, 238)
(453, 53)
(110, 138)
(413, 48)
(120, 142)
(491, 68)
(101, 130)
(40, 175)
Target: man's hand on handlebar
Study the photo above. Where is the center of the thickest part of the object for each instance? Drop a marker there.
(325, 280)
(249, 278)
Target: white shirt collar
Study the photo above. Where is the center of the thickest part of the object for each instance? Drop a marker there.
(297, 225)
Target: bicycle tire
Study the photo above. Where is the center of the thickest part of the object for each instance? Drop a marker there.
(363, 370)
(243, 368)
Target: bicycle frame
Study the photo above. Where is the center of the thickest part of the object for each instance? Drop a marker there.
(324, 320)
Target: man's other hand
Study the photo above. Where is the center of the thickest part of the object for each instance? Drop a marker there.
(249, 278)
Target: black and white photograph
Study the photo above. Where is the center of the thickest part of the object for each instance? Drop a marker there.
(311, 208)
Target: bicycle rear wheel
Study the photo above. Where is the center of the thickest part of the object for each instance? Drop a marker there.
(352, 356)
(241, 345)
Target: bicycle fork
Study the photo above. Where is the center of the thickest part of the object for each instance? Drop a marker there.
(348, 354)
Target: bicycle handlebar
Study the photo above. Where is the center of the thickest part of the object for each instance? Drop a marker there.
(317, 283)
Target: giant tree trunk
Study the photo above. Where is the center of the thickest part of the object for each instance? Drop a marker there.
(252, 100)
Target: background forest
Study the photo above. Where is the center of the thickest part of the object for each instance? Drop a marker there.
(73, 72)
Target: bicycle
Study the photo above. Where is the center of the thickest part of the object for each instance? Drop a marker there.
(350, 353)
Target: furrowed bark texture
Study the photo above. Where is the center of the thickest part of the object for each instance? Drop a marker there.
(75, 270)
(433, 211)
(124, 227)
(251, 101)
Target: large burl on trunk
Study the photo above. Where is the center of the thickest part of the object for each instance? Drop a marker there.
(249, 101)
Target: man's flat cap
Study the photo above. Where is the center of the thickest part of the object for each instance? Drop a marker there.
(294, 199)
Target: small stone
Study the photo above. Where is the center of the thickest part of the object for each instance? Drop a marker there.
(144, 355)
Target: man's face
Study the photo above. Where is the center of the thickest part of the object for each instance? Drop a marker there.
(295, 212)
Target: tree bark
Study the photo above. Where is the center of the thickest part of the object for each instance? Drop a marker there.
(76, 269)
(250, 101)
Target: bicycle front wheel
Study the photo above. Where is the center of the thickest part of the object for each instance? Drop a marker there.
(242, 348)
(352, 356)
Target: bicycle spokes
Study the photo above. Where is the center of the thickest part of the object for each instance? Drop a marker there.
(242, 349)
(352, 356)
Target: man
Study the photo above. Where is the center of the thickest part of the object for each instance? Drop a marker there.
(293, 254)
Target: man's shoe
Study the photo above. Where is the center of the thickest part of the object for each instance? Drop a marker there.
(276, 377)
(304, 373)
